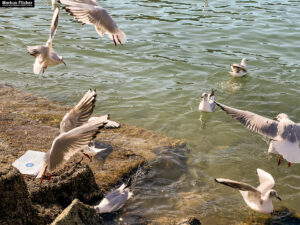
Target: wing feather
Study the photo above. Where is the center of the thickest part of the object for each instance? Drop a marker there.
(266, 181)
(54, 24)
(69, 143)
(80, 113)
(252, 121)
(235, 184)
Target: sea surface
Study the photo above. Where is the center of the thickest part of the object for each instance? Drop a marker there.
(176, 50)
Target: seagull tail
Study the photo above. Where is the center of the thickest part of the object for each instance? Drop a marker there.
(121, 35)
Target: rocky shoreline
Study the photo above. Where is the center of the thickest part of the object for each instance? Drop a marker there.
(31, 122)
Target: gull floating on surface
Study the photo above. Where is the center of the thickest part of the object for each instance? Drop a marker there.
(283, 132)
(90, 12)
(44, 54)
(115, 200)
(69, 143)
(259, 199)
(239, 70)
(207, 103)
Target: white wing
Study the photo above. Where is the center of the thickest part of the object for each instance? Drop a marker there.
(53, 27)
(266, 181)
(81, 113)
(67, 144)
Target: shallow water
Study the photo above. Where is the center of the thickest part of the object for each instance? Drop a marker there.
(175, 51)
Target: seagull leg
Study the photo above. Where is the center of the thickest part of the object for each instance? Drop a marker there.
(114, 40)
(89, 157)
(44, 174)
(289, 164)
(279, 161)
(119, 40)
(49, 177)
(83, 24)
(79, 161)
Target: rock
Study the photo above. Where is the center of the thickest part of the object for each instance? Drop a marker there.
(190, 221)
(15, 204)
(73, 181)
(78, 213)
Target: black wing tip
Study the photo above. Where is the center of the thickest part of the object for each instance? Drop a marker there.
(220, 105)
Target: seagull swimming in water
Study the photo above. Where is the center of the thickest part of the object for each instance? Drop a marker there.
(207, 103)
(115, 200)
(283, 132)
(259, 199)
(239, 70)
(44, 54)
(90, 12)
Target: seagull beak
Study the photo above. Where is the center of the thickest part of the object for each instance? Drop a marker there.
(63, 62)
(278, 198)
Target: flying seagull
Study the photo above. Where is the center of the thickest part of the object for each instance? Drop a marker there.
(207, 103)
(259, 199)
(239, 70)
(115, 200)
(90, 12)
(44, 54)
(80, 115)
(283, 132)
(69, 143)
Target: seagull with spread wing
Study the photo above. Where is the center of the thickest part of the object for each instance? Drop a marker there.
(283, 132)
(44, 54)
(80, 115)
(69, 143)
(90, 12)
(259, 199)
(239, 70)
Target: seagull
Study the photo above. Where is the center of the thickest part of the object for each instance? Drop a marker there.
(66, 144)
(80, 115)
(259, 199)
(44, 54)
(90, 12)
(115, 200)
(207, 103)
(239, 70)
(283, 132)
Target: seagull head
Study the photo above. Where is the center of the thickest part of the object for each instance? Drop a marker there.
(204, 96)
(281, 116)
(273, 193)
(61, 59)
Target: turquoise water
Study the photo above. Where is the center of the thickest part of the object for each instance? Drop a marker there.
(175, 51)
